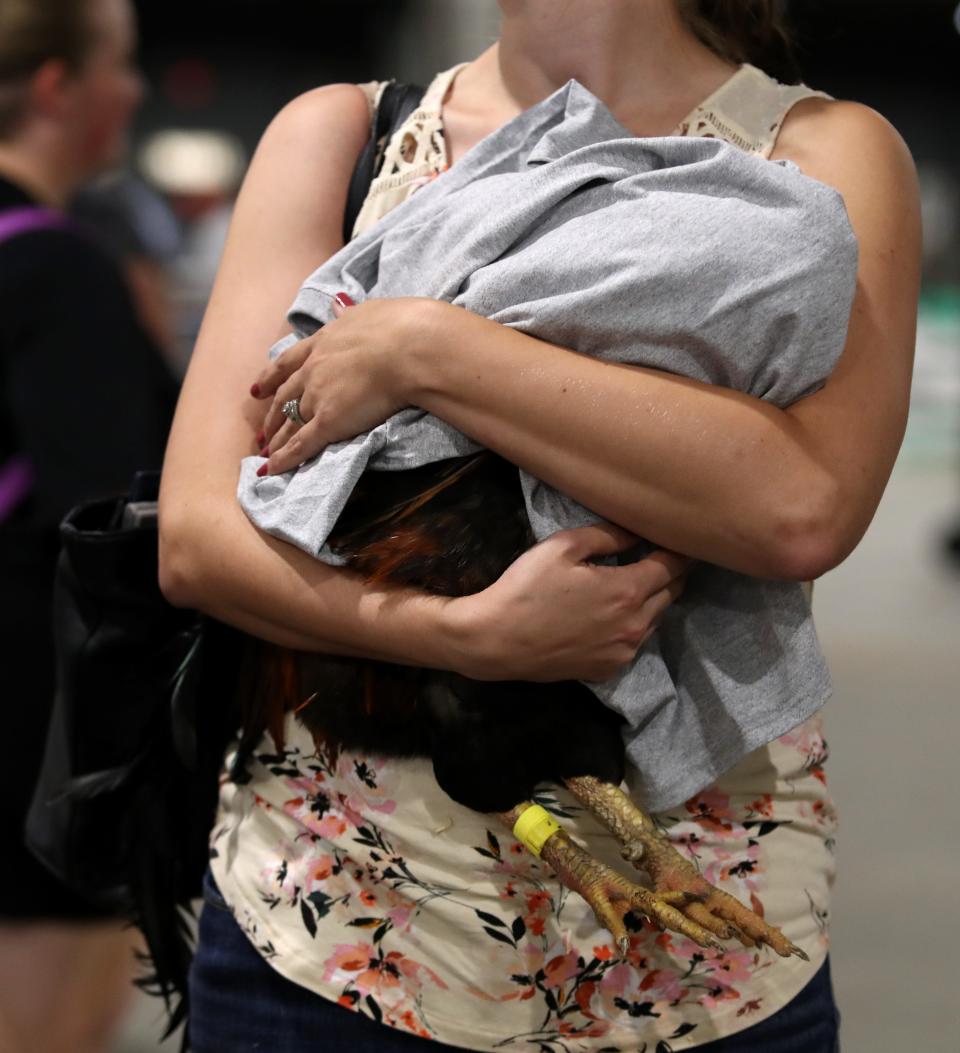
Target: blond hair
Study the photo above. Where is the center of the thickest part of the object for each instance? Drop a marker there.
(31, 33)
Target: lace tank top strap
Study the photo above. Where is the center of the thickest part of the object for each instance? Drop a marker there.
(414, 155)
(373, 89)
(747, 111)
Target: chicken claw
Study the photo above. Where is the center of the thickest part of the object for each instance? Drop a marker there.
(610, 894)
(653, 853)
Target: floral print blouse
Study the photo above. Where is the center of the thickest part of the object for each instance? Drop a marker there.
(359, 879)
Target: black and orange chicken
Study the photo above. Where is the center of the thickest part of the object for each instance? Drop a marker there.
(452, 528)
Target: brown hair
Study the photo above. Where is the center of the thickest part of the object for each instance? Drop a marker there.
(753, 31)
(31, 33)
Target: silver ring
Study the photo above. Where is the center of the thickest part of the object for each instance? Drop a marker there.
(291, 410)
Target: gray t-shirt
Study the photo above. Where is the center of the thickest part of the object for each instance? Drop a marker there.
(685, 255)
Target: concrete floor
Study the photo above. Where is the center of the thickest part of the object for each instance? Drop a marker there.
(889, 621)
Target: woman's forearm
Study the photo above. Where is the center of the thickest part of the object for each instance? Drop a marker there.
(552, 615)
(289, 598)
(704, 470)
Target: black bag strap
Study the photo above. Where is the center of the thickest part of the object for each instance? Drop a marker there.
(397, 102)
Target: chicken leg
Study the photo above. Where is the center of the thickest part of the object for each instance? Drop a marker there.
(647, 849)
(610, 895)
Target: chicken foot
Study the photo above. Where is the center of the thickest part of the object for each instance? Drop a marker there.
(649, 850)
(610, 894)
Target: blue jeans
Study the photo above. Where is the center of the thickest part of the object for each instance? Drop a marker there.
(239, 1004)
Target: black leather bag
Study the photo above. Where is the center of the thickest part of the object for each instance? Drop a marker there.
(144, 710)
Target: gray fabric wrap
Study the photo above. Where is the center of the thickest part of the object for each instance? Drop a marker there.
(682, 254)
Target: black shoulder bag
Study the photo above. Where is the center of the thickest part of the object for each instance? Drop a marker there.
(145, 706)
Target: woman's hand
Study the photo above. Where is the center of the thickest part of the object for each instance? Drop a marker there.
(552, 615)
(345, 380)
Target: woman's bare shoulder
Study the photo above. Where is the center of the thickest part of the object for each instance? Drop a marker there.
(333, 120)
(289, 212)
(837, 141)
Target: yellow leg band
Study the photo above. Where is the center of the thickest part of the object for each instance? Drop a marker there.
(535, 827)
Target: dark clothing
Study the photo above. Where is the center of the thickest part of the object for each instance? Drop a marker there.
(238, 1002)
(85, 397)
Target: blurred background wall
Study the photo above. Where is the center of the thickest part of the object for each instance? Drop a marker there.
(889, 618)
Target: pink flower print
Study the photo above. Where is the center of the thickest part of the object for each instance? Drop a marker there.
(355, 804)
(723, 973)
(304, 787)
(664, 940)
(719, 973)
(318, 870)
(368, 780)
(347, 960)
(613, 986)
(279, 877)
(736, 966)
(711, 809)
(360, 965)
(508, 891)
(350, 812)
(378, 976)
(820, 811)
(763, 806)
(808, 741)
(523, 869)
(535, 926)
(536, 901)
(400, 916)
(311, 809)
(584, 998)
(687, 839)
(561, 969)
(742, 867)
(662, 985)
(411, 1024)
(416, 971)
(805, 737)
(329, 826)
(539, 908)
(596, 1030)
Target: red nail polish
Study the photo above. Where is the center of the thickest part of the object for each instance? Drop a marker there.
(265, 452)
(261, 438)
(344, 300)
(263, 469)
(255, 391)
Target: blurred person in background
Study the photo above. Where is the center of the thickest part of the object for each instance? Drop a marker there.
(333, 886)
(139, 229)
(85, 400)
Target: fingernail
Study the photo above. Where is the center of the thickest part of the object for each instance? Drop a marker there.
(265, 452)
(255, 391)
(344, 300)
(263, 469)
(261, 438)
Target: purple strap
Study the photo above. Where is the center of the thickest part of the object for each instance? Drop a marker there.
(15, 221)
(16, 481)
(16, 474)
